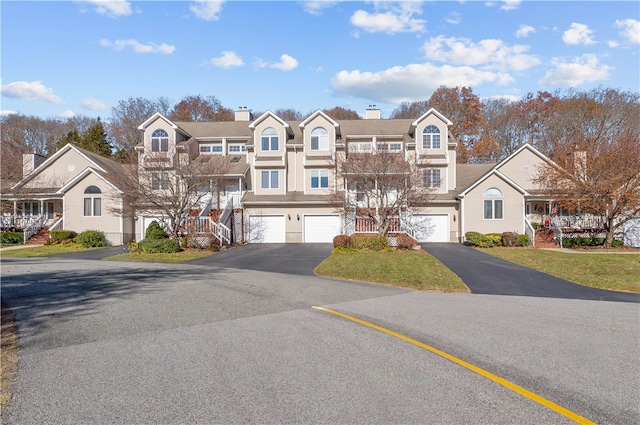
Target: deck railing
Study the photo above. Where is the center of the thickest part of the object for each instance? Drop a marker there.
(33, 226)
(530, 232)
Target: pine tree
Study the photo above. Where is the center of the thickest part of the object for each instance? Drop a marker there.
(95, 140)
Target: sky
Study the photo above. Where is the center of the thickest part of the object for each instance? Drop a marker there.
(70, 58)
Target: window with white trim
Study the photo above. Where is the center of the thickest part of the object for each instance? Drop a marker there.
(493, 204)
(237, 148)
(213, 149)
(269, 179)
(360, 146)
(432, 177)
(431, 137)
(159, 141)
(92, 201)
(319, 179)
(319, 139)
(159, 181)
(392, 147)
(269, 139)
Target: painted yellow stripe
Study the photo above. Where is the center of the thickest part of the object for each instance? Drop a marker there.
(518, 389)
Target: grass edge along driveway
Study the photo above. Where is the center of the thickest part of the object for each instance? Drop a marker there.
(408, 269)
(615, 272)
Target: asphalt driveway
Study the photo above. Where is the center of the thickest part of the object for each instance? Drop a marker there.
(486, 274)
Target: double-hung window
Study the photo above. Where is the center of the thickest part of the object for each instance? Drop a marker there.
(431, 137)
(159, 181)
(160, 141)
(431, 177)
(319, 139)
(92, 201)
(269, 139)
(269, 179)
(319, 179)
(493, 204)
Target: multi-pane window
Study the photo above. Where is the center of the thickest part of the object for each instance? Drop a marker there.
(431, 177)
(159, 181)
(269, 179)
(269, 139)
(319, 179)
(431, 137)
(393, 147)
(210, 148)
(92, 202)
(319, 139)
(494, 205)
(360, 147)
(237, 148)
(160, 141)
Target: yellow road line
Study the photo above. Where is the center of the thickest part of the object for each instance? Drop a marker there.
(518, 389)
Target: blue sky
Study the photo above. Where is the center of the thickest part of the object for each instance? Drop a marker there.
(68, 58)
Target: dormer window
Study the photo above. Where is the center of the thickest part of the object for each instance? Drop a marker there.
(319, 139)
(211, 149)
(431, 137)
(160, 141)
(269, 139)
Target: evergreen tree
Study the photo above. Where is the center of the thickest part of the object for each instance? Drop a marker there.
(95, 140)
(71, 137)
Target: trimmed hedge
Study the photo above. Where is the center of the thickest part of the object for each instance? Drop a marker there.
(91, 239)
(373, 243)
(571, 242)
(495, 239)
(154, 231)
(62, 236)
(11, 238)
(156, 246)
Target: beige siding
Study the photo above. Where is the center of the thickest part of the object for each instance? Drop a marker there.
(59, 172)
(522, 168)
(294, 218)
(159, 123)
(319, 121)
(513, 208)
(444, 132)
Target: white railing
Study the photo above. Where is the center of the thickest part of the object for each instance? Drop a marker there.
(57, 225)
(557, 232)
(226, 213)
(530, 232)
(207, 225)
(33, 226)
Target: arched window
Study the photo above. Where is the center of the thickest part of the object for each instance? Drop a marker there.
(269, 139)
(431, 137)
(319, 139)
(493, 205)
(160, 141)
(92, 201)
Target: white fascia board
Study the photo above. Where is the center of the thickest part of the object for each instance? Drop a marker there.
(322, 114)
(430, 112)
(262, 117)
(495, 172)
(157, 115)
(81, 176)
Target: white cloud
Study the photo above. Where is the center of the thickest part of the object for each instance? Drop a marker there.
(410, 83)
(119, 45)
(208, 10)
(578, 34)
(316, 7)
(630, 30)
(67, 114)
(510, 4)
(583, 69)
(613, 44)
(454, 18)
(488, 53)
(227, 60)
(111, 8)
(390, 17)
(525, 30)
(287, 63)
(94, 104)
(6, 112)
(30, 90)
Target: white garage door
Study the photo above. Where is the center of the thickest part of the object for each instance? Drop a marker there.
(266, 229)
(431, 227)
(321, 228)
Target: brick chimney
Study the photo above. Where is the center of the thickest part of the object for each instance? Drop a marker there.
(244, 114)
(372, 113)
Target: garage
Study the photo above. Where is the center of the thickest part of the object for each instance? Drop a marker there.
(321, 228)
(266, 229)
(431, 227)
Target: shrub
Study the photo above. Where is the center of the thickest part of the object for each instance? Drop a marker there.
(483, 241)
(510, 239)
(536, 225)
(373, 243)
(154, 231)
(156, 246)
(523, 240)
(493, 239)
(11, 238)
(473, 238)
(404, 241)
(342, 240)
(62, 236)
(91, 239)
(616, 243)
(584, 241)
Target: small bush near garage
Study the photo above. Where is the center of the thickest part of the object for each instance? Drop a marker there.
(342, 241)
(369, 242)
(62, 236)
(91, 239)
(510, 239)
(154, 231)
(523, 240)
(156, 246)
(11, 238)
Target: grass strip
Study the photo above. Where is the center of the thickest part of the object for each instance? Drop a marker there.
(178, 257)
(43, 251)
(617, 272)
(8, 356)
(408, 269)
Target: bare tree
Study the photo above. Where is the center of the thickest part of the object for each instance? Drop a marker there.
(171, 185)
(128, 115)
(288, 114)
(597, 177)
(381, 185)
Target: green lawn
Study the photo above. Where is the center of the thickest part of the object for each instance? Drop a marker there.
(618, 272)
(177, 257)
(410, 269)
(42, 251)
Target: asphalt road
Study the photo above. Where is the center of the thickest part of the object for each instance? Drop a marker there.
(125, 343)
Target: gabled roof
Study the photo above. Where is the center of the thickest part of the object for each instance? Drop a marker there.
(81, 177)
(157, 115)
(267, 114)
(322, 114)
(431, 111)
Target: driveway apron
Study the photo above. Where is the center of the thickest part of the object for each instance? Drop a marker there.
(486, 274)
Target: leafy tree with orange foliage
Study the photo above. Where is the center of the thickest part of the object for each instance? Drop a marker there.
(198, 108)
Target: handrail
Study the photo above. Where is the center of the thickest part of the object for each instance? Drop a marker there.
(56, 224)
(557, 231)
(530, 231)
(33, 226)
(228, 208)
